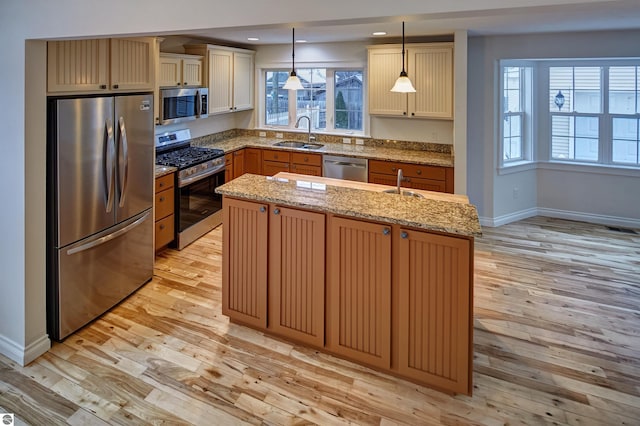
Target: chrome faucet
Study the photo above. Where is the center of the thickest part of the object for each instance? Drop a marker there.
(309, 137)
(400, 177)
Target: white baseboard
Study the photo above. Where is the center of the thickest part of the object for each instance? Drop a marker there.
(625, 222)
(561, 214)
(508, 218)
(24, 355)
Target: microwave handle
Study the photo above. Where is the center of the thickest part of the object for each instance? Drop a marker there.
(198, 104)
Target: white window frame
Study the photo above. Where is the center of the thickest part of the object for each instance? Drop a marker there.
(527, 117)
(330, 102)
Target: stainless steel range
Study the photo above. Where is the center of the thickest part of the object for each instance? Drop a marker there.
(198, 208)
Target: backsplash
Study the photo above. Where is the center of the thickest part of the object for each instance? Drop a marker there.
(271, 134)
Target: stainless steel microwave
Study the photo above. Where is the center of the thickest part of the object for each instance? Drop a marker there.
(179, 105)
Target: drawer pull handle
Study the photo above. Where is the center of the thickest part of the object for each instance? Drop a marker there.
(404, 235)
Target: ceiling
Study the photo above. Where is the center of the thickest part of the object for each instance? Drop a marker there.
(577, 17)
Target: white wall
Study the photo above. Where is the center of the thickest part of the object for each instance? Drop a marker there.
(576, 192)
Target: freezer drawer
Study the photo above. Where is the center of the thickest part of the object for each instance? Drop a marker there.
(96, 273)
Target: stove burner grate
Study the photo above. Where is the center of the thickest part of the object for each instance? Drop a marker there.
(189, 156)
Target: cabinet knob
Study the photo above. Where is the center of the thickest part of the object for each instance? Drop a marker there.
(306, 159)
(393, 169)
(276, 211)
(115, 86)
(263, 209)
(404, 235)
(161, 199)
(386, 231)
(404, 113)
(419, 172)
(103, 86)
(413, 114)
(185, 83)
(161, 184)
(161, 227)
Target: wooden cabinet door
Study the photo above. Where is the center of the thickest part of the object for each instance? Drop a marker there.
(425, 184)
(431, 71)
(220, 77)
(270, 168)
(296, 274)
(383, 179)
(305, 169)
(191, 72)
(253, 161)
(170, 72)
(434, 305)
(359, 291)
(385, 65)
(244, 261)
(242, 81)
(132, 64)
(238, 163)
(228, 167)
(77, 65)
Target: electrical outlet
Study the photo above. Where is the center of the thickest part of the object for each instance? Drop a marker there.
(262, 134)
(359, 141)
(279, 135)
(516, 192)
(346, 140)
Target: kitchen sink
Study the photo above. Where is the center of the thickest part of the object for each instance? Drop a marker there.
(298, 144)
(404, 193)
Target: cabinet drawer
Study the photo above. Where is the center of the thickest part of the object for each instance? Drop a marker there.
(281, 156)
(425, 184)
(164, 231)
(164, 182)
(270, 168)
(306, 159)
(408, 169)
(228, 160)
(164, 203)
(304, 169)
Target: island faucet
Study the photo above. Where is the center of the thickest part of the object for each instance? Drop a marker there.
(400, 177)
(309, 137)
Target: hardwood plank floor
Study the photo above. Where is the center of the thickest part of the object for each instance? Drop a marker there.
(557, 341)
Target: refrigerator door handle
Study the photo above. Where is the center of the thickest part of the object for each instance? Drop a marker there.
(110, 163)
(107, 238)
(125, 155)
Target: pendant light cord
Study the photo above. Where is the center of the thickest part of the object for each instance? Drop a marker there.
(293, 50)
(403, 71)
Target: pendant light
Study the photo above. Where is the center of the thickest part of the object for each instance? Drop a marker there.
(293, 82)
(403, 84)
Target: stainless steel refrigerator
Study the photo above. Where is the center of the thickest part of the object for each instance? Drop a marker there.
(100, 177)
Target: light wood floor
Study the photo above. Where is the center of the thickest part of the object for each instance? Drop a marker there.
(557, 340)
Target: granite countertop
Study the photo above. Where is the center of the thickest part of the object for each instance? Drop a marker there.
(164, 170)
(423, 213)
(372, 152)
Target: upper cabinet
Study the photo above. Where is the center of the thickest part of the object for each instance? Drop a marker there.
(230, 78)
(430, 68)
(176, 70)
(97, 65)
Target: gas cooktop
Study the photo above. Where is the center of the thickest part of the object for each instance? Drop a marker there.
(188, 156)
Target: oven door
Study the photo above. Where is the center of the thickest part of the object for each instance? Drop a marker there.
(198, 208)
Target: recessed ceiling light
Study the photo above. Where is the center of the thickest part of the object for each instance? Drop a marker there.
(301, 41)
(380, 33)
(253, 38)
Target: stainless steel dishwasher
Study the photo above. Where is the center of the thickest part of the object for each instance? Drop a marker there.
(349, 168)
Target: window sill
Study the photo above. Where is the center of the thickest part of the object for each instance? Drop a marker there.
(603, 169)
(516, 167)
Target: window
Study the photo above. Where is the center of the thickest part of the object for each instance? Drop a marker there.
(624, 105)
(332, 99)
(575, 104)
(516, 108)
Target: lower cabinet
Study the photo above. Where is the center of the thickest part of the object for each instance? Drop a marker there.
(244, 265)
(296, 274)
(434, 305)
(164, 211)
(359, 291)
(253, 161)
(397, 299)
(415, 176)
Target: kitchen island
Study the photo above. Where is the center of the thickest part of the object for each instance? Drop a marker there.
(381, 279)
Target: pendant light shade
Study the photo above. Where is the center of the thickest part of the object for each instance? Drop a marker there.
(293, 82)
(403, 84)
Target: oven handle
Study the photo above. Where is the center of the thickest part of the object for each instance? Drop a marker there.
(187, 181)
